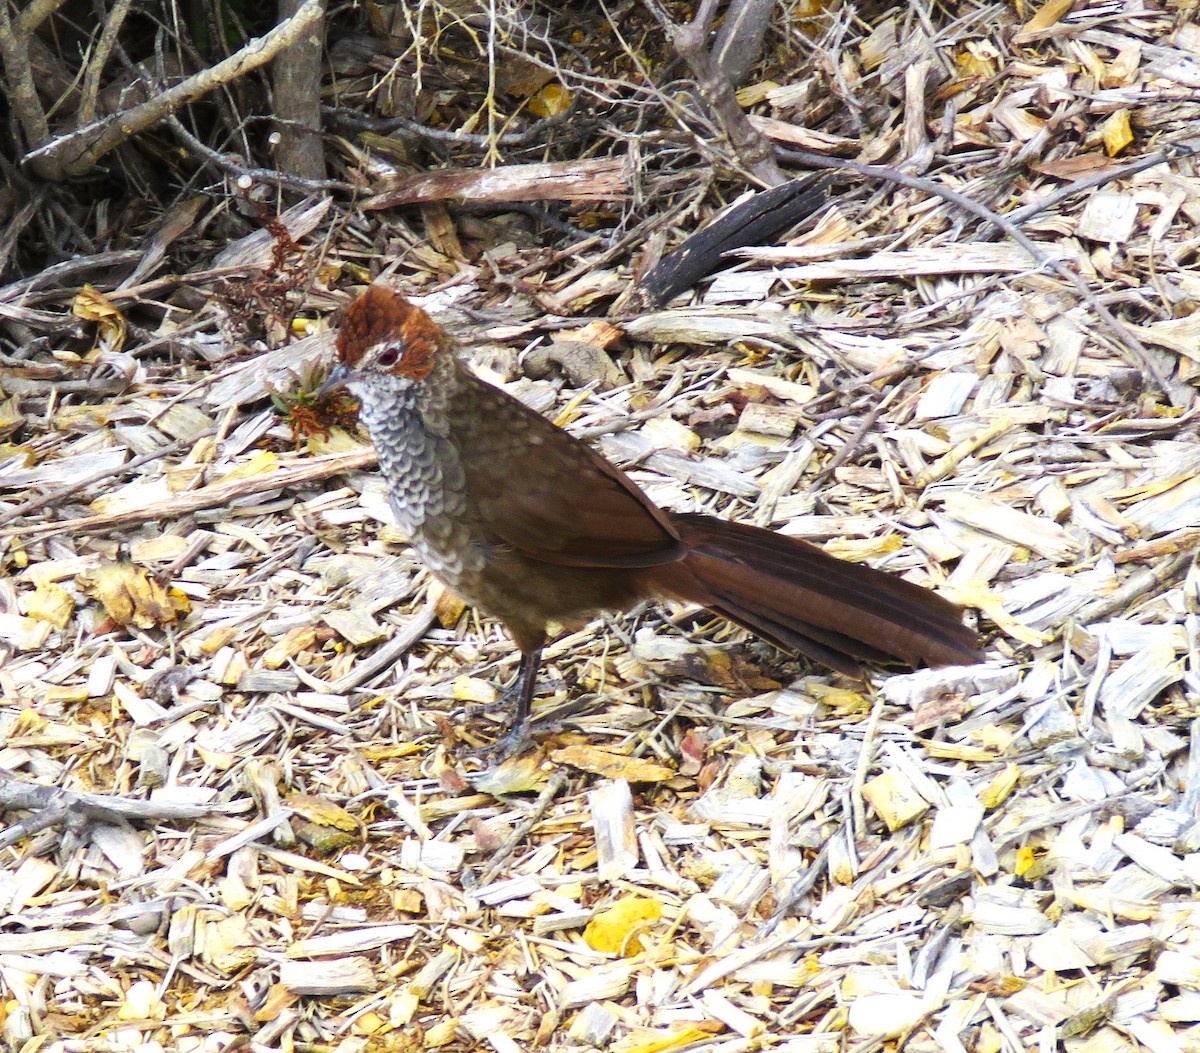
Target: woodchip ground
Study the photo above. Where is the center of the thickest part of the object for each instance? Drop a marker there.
(204, 602)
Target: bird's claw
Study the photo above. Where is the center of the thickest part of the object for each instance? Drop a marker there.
(507, 745)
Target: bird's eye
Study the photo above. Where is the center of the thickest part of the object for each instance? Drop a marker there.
(388, 356)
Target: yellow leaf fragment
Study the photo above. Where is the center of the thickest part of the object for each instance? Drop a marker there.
(1025, 859)
(612, 765)
(552, 100)
(329, 271)
(442, 1033)
(977, 594)
(978, 59)
(993, 738)
(8, 449)
(338, 440)
(180, 601)
(369, 1023)
(515, 775)
(475, 690)
(323, 811)
(997, 791)
(960, 752)
(92, 306)
(615, 929)
(859, 549)
(662, 1040)
(49, 603)
(262, 462)
(841, 699)
(130, 595)
(27, 722)
(446, 605)
(11, 418)
(1116, 132)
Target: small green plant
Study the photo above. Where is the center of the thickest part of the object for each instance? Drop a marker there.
(307, 410)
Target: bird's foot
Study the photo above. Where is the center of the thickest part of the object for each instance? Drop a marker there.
(519, 695)
(506, 697)
(501, 711)
(512, 742)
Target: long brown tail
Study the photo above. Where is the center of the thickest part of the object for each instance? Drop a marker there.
(801, 599)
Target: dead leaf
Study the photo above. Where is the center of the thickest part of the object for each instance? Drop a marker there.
(615, 929)
(1116, 132)
(552, 100)
(516, 775)
(92, 306)
(1046, 16)
(665, 1039)
(446, 605)
(131, 596)
(322, 811)
(612, 765)
(49, 603)
(692, 750)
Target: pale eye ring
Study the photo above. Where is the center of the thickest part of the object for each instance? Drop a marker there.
(389, 356)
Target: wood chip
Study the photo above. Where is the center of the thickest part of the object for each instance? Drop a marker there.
(204, 596)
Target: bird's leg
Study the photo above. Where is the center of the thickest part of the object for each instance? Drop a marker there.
(523, 689)
(516, 736)
(525, 686)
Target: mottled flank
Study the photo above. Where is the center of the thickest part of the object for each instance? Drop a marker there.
(379, 316)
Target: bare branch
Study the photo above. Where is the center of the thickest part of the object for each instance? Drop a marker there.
(739, 40)
(751, 147)
(104, 47)
(22, 95)
(77, 152)
(296, 92)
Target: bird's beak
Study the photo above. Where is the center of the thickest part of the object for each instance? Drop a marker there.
(337, 377)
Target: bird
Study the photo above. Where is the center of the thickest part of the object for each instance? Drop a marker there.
(534, 527)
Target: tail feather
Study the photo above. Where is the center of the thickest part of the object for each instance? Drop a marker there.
(802, 599)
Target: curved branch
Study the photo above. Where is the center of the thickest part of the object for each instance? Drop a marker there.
(80, 150)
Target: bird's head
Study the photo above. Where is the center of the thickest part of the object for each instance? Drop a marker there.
(384, 338)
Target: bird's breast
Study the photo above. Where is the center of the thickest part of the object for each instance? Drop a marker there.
(426, 484)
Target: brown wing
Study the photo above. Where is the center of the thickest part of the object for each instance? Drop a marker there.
(550, 496)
